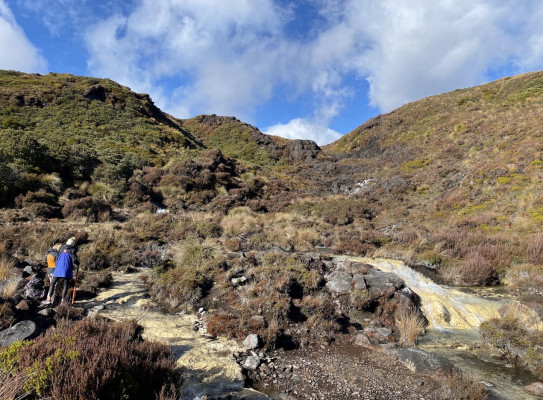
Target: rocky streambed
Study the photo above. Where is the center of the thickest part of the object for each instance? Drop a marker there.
(362, 362)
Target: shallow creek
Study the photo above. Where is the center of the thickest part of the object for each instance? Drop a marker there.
(209, 368)
(454, 315)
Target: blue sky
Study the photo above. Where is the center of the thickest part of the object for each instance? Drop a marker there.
(312, 69)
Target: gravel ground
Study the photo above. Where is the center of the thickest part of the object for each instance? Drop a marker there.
(342, 371)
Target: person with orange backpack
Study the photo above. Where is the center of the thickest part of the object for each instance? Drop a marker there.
(52, 255)
(64, 268)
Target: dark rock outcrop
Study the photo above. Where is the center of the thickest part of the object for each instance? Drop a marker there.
(20, 331)
(423, 362)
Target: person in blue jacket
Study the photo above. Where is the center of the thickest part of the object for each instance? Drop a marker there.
(64, 269)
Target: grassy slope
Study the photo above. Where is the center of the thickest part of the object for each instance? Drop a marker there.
(237, 139)
(463, 153)
(469, 160)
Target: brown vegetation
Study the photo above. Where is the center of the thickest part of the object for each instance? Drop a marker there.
(90, 359)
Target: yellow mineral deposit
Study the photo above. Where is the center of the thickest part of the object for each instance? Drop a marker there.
(208, 363)
(446, 308)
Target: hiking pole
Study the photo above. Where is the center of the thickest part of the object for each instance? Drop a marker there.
(75, 285)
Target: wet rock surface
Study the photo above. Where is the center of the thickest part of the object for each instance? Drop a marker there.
(423, 362)
(535, 389)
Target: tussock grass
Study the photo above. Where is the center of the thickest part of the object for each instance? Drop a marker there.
(410, 325)
(10, 289)
(6, 265)
(459, 385)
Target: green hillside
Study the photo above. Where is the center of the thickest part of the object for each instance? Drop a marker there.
(78, 128)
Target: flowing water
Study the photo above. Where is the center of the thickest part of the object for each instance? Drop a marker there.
(454, 317)
(209, 368)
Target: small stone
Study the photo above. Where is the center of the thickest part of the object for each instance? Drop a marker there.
(362, 340)
(265, 369)
(22, 305)
(535, 389)
(47, 312)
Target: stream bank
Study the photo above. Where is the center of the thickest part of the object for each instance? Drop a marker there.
(336, 370)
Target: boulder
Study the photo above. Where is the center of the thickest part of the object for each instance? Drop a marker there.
(379, 279)
(362, 341)
(382, 334)
(20, 331)
(252, 341)
(535, 389)
(339, 282)
(423, 362)
(251, 363)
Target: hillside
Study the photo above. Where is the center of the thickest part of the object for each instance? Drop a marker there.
(245, 142)
(222, 218)
(453, 176)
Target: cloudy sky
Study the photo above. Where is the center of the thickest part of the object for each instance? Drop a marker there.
(311, 69)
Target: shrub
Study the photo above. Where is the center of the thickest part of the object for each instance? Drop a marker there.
(90, 359)
(526, 279)
(6, 265)
(6, 315)
(192, 278)
(88, 207)
(463, 386)
(476, 270)
(534, 251)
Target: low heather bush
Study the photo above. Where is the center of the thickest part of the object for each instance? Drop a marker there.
(476, 270)
(88, 207)
(89, 359)
(534, 251)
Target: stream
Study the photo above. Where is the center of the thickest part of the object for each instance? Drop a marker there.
(454, 316)
(208, 366)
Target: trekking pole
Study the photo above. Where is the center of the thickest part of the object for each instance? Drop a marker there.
(75, 285)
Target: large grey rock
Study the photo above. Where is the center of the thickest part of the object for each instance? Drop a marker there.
(535, 389)
(423, 362)
(20, 331)
(379, 279)
(339, 282)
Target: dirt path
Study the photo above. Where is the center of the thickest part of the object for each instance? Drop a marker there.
(209, 368)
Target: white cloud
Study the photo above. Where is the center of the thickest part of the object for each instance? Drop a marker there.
(300, 128)
(229, 57)
(409, 50)
(225, 49)
(16, 51)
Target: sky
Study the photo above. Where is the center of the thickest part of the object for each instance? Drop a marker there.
(307, 69)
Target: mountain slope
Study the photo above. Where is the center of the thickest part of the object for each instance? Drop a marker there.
(245, 142)
(453, 176)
